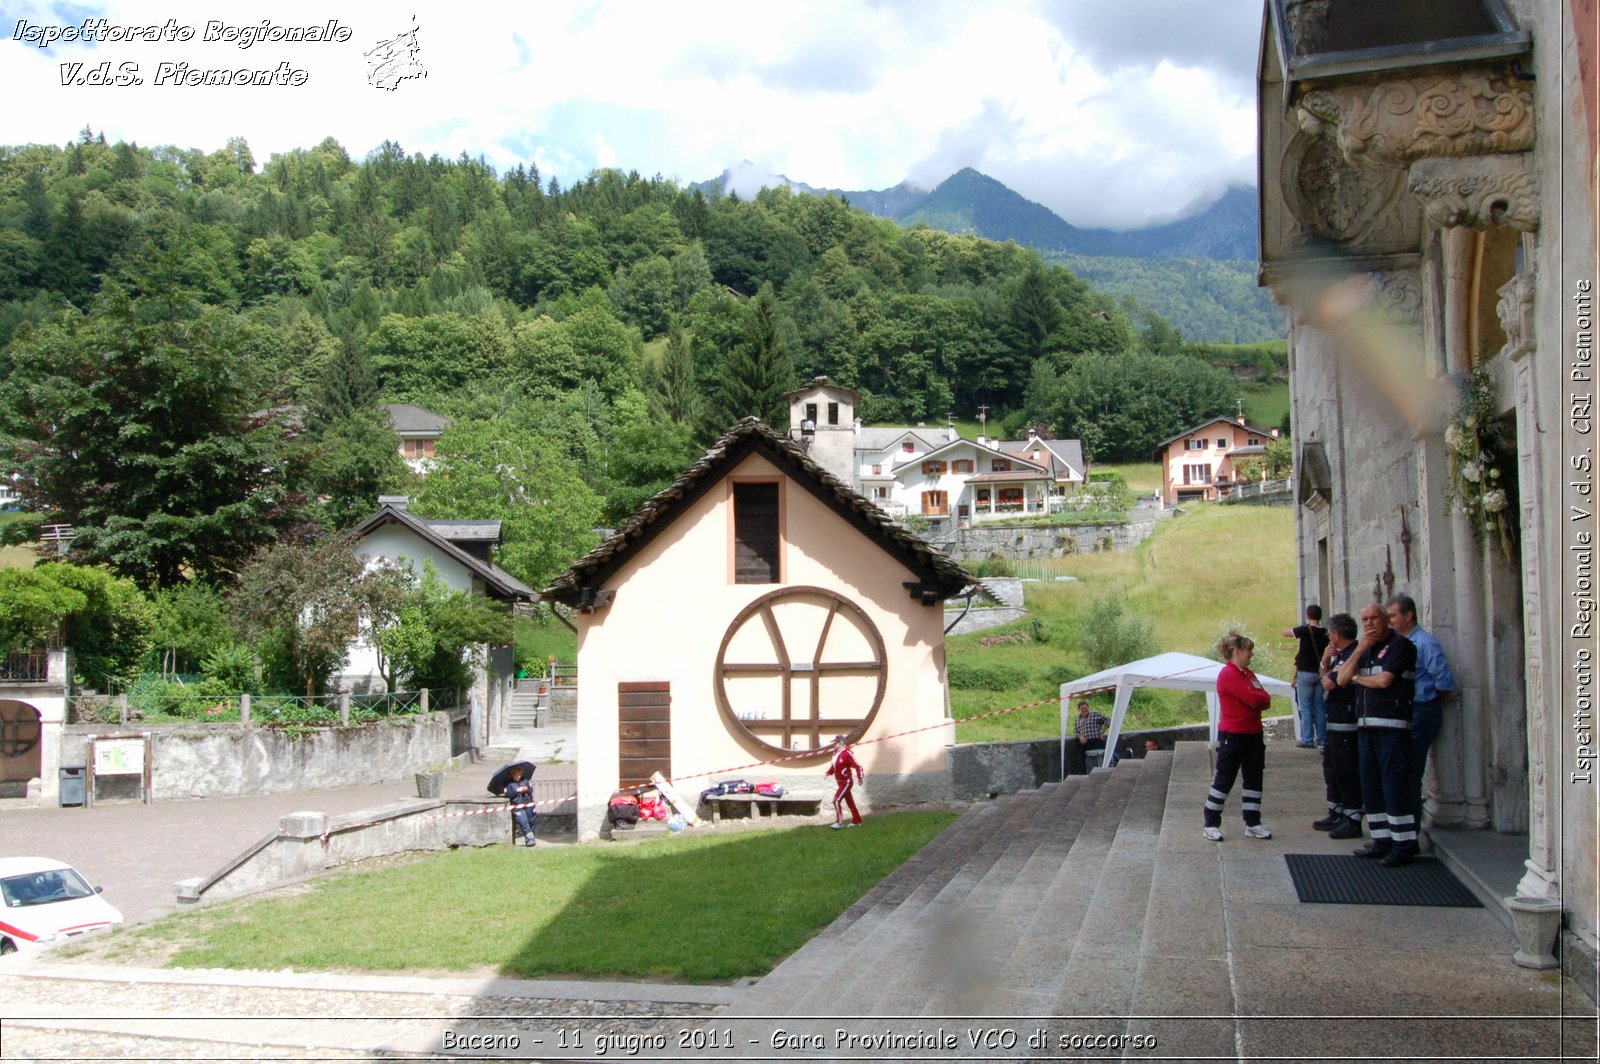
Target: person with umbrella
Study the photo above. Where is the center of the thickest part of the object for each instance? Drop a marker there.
(515, 783)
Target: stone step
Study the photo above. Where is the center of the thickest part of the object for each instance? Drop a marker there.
(953, 879)
(919, 879)
(891, 962)
(1046, 942)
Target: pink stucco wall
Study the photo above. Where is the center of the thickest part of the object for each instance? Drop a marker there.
(674, 602)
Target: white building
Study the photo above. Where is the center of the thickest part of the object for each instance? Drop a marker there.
(934, 473)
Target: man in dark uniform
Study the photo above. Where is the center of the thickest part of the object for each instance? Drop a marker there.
(1382, 671)
(1341, 759)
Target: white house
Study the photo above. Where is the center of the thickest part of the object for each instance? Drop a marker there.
(935, 473)
(462, 552)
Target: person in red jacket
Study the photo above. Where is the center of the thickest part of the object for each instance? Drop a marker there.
(840, 768)
(1239, 741)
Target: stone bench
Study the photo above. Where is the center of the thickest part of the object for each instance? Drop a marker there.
(753, 803)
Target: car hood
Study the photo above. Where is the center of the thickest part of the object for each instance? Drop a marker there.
(71, 916)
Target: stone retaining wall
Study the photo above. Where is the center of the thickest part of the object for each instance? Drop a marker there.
(229, 760)
(298, 848)
(1045, 541)
(981, 769)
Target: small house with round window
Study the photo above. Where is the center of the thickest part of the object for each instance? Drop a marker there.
(746, 615)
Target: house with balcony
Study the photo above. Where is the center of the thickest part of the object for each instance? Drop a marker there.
(932, 472)
(1199, 464)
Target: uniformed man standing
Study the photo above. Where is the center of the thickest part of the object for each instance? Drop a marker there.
(1383, 669)
(1341, 759)
(1434, 681)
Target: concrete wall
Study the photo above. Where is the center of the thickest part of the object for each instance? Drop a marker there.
(297, 850)
(981, 769)
(226, 760)
(978, 619)
(1049, 541)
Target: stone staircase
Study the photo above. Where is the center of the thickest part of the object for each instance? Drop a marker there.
(523, 712)
(1043, 903)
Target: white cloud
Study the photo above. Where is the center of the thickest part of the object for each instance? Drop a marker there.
(1104, 123)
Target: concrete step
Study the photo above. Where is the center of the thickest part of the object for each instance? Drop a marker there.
(957, 873)
(919, 879)
(1031, 962)
(888, 972)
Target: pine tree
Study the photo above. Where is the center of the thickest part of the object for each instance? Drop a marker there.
(677, 392)
(757, 373)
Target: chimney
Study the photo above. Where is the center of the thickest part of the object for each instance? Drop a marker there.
(397, 502)
(1274, 433)
(950, 431)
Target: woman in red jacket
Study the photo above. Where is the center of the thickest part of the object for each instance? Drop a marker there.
(1239, 742)
(840, 768)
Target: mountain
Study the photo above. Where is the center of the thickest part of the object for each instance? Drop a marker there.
(1214, 299)
(974, 204)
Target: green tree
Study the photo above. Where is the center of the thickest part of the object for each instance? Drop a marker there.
(136, 424)
(189, 623)
(435, 632)
(301, 604)
(353, 461)
(1121, 406)
(757, 373)
(103, 618)
(499, 469)
(675, 386)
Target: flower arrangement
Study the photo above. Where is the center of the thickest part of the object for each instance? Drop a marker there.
(1482, 473)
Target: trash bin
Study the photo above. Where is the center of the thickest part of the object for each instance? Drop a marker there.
(74, 785)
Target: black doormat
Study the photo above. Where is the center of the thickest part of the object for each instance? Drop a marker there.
(1336, 879)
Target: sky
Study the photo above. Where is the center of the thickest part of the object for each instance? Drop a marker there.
(1113, 113)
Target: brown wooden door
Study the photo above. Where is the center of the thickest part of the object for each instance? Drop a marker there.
(644, 732)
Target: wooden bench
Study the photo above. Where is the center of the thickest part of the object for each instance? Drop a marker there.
(754, 802)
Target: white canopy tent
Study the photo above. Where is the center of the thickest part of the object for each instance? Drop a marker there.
(1182, 672)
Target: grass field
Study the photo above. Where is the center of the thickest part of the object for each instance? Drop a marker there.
(699, 907)
(1265, 404)
(1212, 567)
(1143, 477)
(16, 557)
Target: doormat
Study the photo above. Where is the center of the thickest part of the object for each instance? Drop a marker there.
(1333, 879)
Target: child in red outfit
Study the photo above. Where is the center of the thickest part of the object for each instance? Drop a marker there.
(843, 764)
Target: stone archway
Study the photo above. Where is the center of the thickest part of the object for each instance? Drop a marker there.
(21, 749)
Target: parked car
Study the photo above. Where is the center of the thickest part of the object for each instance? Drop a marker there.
(44, 901)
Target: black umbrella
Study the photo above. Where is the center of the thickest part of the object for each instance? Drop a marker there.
(497, 782)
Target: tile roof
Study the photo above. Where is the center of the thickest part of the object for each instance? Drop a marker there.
(500, 583)
(939, 576)
(409, 420)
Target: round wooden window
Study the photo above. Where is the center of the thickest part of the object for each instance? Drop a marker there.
(19, 729)
(799, 666)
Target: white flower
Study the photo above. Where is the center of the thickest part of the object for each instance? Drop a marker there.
(1471, 472)
(1455, 439)
(1494, 474)
(1494, 501)
(1470, 422)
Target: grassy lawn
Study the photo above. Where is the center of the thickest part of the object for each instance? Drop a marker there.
(540, 636)
(695, 907)
(1143, 477)
(1265, 404)
(1214, 565)
(19, 557)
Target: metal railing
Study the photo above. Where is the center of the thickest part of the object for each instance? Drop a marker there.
(1257, 489)
(25, 667)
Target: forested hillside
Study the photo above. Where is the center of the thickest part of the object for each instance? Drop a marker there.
(195, 345)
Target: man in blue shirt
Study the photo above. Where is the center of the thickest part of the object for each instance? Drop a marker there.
(1434, 680)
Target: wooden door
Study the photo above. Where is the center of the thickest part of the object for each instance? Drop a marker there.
(644, 731)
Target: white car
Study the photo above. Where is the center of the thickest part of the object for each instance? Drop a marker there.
(44, 901)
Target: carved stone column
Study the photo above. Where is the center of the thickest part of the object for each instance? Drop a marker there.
(1542, 880)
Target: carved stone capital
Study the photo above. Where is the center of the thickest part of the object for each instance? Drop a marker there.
(1478, 192)
(1334, 200)
(1403, 119)
(1515, 309)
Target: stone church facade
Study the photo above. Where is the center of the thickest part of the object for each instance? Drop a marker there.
(1428, 190)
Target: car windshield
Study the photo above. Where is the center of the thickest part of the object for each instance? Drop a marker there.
(42, 888)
